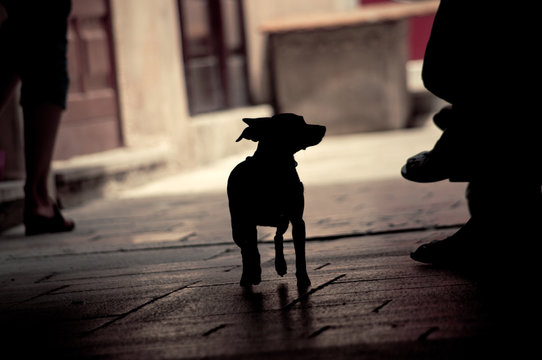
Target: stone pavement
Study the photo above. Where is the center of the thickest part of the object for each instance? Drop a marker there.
(152, 273)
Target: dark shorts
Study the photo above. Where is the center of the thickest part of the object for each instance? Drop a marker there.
(33, 44)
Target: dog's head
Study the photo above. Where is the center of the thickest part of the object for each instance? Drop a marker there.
(282, 133)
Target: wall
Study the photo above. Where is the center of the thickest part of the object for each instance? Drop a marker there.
(150, 76)
(348, 78)
(151, 83)
(260, 11)
(419, 31)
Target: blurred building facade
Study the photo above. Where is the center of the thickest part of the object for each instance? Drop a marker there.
(163, 83)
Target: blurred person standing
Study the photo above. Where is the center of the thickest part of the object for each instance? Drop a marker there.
(482, 58)
(33, 46)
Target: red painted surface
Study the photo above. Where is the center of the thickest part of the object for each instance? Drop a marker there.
(420, 28)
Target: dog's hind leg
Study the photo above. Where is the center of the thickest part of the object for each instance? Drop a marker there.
(246, 237)
(280, 262)
(298, 233)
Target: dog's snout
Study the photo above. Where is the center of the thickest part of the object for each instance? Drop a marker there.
(314, 135)
(322, 130)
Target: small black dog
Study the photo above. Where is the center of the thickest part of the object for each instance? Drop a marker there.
(265, 190)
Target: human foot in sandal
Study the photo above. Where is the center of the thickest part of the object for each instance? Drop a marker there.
(442, 162)
(39, 224)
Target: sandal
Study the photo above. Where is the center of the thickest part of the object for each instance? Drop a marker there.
(37, 224)
(439, 164)
(425, 167)
(447, 160)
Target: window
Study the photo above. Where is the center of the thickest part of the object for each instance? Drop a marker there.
(214, 54)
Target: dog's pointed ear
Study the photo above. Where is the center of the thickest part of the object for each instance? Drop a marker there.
(250, 134)
(254, 131)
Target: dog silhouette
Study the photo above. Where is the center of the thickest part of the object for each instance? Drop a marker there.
(265, 190)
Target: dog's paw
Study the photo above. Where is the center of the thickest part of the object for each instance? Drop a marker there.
(245, 281)
(249, 279)
(303, 281)
(252, 271)
(280, 266)
(256, 279)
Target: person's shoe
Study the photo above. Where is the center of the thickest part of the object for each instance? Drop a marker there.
(441, 163)
(438, 252)
(445, 161)
(462, 247)
(37, 224)
(425, 167)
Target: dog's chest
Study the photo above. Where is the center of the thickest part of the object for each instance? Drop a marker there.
(274, 188)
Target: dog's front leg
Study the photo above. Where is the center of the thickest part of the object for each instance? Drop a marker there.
(298, 233)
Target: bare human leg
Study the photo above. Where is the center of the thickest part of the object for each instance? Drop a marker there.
(41, 122)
